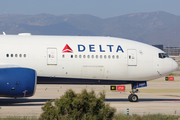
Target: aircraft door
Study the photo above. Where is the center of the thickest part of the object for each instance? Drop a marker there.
(52, 56)
(132, 57)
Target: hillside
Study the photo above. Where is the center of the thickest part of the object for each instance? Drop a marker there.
(152, 28)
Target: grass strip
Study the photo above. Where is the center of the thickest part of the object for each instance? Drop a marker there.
(159, 90)
(164, 81)
(146, 117)
(174, 74)
(119, 116)
(19, 118)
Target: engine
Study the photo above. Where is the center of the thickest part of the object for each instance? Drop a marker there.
(17, 82)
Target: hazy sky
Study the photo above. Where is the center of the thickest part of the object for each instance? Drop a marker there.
(99, 8)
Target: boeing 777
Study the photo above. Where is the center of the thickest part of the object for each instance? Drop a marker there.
(27, 60)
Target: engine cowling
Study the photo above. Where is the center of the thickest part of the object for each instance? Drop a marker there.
(17, 82)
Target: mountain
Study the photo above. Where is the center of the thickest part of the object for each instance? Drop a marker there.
(152, 28)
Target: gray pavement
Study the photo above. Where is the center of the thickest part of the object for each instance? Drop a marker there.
(159, 96)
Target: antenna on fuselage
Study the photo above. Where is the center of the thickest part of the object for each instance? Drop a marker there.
(4, 33)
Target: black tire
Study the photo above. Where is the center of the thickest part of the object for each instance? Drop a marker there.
(133, 98)
(129, 97)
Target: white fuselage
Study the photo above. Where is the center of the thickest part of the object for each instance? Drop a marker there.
(103, 58)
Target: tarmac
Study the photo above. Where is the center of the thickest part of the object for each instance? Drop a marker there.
(159, 96)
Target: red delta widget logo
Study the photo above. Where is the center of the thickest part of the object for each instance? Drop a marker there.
(67, 49)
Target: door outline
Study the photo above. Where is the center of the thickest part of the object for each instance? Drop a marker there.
(52, 56)
(132, 57)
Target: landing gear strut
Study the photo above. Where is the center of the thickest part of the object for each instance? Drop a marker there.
(133, 97)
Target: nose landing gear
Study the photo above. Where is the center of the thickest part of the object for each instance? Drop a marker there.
(133, 97)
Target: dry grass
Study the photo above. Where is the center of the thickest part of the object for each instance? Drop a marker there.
(145, 117)
(174, 74)
(119, 116)
(159, 90)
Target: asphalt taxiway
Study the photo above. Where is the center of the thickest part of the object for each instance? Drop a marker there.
(159, 96)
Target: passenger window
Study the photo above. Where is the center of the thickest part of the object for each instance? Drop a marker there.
(117, 56)
(11, 55)
(16, 55)
(96, 56)
(75, 56)
(101, 56)
(71, 56)
(84, 56)
(7, 55)
(24, 55)
(88, 56)
(79, 56)
(113, 57)
(109, 56)
(104, 56)
(92, 56)
(63, 56)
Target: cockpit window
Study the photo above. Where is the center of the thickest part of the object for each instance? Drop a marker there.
(166, 55)
(163, 55)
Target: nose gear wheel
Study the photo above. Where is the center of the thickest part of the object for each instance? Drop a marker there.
(133, 98)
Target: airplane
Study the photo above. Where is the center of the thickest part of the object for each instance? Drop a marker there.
(27, 60)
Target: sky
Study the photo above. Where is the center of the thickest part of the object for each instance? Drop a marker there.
(99, 8)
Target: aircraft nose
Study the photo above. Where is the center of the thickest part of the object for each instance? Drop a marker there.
(174, 65)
